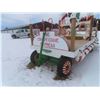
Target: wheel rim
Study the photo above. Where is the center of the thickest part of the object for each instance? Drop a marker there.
(66, 67)
(36, 58)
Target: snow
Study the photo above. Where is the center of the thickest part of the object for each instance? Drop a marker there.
(0, 64)
(16, 55)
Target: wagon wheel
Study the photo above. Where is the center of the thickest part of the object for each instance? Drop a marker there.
(34, 57)
(66, 67)
(63, 68)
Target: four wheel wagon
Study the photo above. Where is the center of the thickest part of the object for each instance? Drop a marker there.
(65, 46)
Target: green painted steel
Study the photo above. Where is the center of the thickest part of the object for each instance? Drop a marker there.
(43, 58)
(40, 54)
(53, 60)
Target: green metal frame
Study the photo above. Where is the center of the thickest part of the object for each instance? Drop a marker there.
(41, 49)
(44, 58)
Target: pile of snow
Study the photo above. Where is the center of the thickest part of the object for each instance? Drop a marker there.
(16, 55)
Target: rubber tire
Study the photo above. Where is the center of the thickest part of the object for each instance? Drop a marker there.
(14, 36)
(60, 67)
(34, 57)
(28, 35)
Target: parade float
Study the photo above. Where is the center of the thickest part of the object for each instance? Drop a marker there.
(70, 43)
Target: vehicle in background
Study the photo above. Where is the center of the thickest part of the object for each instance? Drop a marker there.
(21, 33)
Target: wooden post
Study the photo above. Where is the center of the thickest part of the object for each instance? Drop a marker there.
(96, 28)
(91, 23)
(97, 24)
(31, 34)
(73, 32)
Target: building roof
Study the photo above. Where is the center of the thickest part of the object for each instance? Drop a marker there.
(36, 25)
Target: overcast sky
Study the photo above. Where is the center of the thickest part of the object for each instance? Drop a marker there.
(17, 19)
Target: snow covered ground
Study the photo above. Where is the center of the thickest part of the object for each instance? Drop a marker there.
(16, 56)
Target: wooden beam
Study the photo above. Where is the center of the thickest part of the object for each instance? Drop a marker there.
(73, 32)
(31, 34)
(97, 24)
(91, 23)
